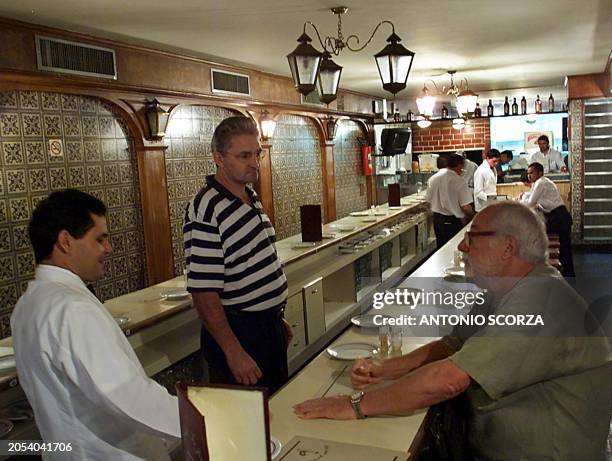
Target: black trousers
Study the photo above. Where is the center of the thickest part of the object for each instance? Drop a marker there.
(445, 227)
(263, 336)
(559, 222)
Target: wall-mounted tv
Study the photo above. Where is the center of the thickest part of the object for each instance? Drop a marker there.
(394, 141)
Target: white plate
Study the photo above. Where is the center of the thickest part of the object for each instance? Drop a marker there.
(367, 320)
(342, 227)
(275, 447)
(173, 295)
(372, 219)
(300, 245)
(329, 236)
(455, 271)
(395, 207)
(359, 213)
(7, 363)
(352, 351)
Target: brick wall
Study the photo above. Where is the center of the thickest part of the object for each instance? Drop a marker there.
(440, 136)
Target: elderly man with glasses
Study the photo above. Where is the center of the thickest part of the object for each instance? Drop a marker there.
(534, 392)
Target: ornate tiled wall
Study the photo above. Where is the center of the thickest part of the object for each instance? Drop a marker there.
(296, 172)
(576, 112)
(97, 157)
(188, 161)
(350, 182)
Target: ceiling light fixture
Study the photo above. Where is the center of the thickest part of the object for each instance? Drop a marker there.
(465, 99)
(424, 123)
(311, 68)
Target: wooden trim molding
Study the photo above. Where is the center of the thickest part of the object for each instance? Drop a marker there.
(329, 181)
(264, 185)
(587, 86)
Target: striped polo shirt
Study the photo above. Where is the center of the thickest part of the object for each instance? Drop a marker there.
(229, 249)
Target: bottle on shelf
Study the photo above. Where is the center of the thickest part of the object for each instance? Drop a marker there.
(477, 111)
(444, 111)
(506, 107)
(490, 109)
(538, 105)
(396, 116)
(523, 106)
(514, 107)
(410, 116)
(551, 103)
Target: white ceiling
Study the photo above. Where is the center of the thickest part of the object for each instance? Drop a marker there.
(496, 44)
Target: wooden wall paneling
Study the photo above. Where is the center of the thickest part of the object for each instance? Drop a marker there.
(586, 86)
(329, 180)
(264, 185)
(156, 213)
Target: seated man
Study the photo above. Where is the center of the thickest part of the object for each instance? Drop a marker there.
(75, 365)
(535, 392)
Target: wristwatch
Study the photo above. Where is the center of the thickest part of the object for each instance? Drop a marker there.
(356, 403)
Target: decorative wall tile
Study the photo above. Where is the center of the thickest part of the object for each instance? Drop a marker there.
(296, 172)
(28, 174)
(9, 124)
(576, 113)
(12, 153)
(350, 183)
(35, 152)
(32, 126)
(188, 161)
(6, 269)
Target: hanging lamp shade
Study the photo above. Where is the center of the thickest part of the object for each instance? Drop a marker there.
(268, 125)
(304, 63)
(394, 62)
(328, 79)
(424, 123)
(466, 102)
(157, 119)
(426, 102)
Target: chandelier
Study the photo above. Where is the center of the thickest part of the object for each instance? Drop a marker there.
(465, 99)
(311, 68)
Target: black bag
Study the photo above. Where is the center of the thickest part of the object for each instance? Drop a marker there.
(447, 432)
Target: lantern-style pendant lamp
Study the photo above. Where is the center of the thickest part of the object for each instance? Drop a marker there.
(328, 79)
(157, 119)
(304, 63)
(394, 62)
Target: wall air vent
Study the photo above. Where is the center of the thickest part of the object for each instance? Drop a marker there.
(312, 98)
(224, 82)
(64, 56)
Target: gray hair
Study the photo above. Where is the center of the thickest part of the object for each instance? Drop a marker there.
(230, 127)
(521, 223)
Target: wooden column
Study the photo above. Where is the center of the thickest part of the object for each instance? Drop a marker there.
(155, 212)
(329, 181)
(264, 185)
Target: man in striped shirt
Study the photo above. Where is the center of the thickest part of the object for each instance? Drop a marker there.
(234, 275)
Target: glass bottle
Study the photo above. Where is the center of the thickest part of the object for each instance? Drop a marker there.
(410, 116)
(506, 107)
(490, 109)
(523, 106)
(538, 105)
(396, 341)
(477, 111)
(551, 103)
(384, 339)
(396, 116)
(444, 112)
(514, 107)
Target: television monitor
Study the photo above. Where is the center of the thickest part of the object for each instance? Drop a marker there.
(393, 141)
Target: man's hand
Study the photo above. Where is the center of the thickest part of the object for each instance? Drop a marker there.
(337, 407)
(244, 368)
(289, 332)
(365, 372)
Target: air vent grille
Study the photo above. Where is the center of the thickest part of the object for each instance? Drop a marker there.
(224, 82)
(75, 58)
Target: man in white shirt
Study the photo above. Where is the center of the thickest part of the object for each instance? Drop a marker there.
(550, 159)
(485, 179)
(449, 199)
(75, 365)
(469, 168)
(545, 196)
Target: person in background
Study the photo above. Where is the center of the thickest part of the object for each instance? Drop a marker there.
(75, 365)
(469, 168)
(503, 167)
(533, 392)
(450, 200)
(549, 158)
(485, 180)
(545, 196)
(234, 274)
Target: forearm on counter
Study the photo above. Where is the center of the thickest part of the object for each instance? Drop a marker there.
(397, 367)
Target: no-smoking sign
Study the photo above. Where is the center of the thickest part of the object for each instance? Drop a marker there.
(56, 147)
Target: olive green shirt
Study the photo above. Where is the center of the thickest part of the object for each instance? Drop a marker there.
(538, 392)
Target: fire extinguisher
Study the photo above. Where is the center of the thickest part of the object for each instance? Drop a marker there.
(366, 160)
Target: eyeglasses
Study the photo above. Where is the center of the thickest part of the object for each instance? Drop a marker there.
(246, 156)
(469, 235)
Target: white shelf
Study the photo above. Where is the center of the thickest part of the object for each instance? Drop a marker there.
(336, 311)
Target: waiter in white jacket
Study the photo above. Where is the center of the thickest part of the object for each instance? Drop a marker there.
(550, 159)
(485, 179)
(79, 373)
